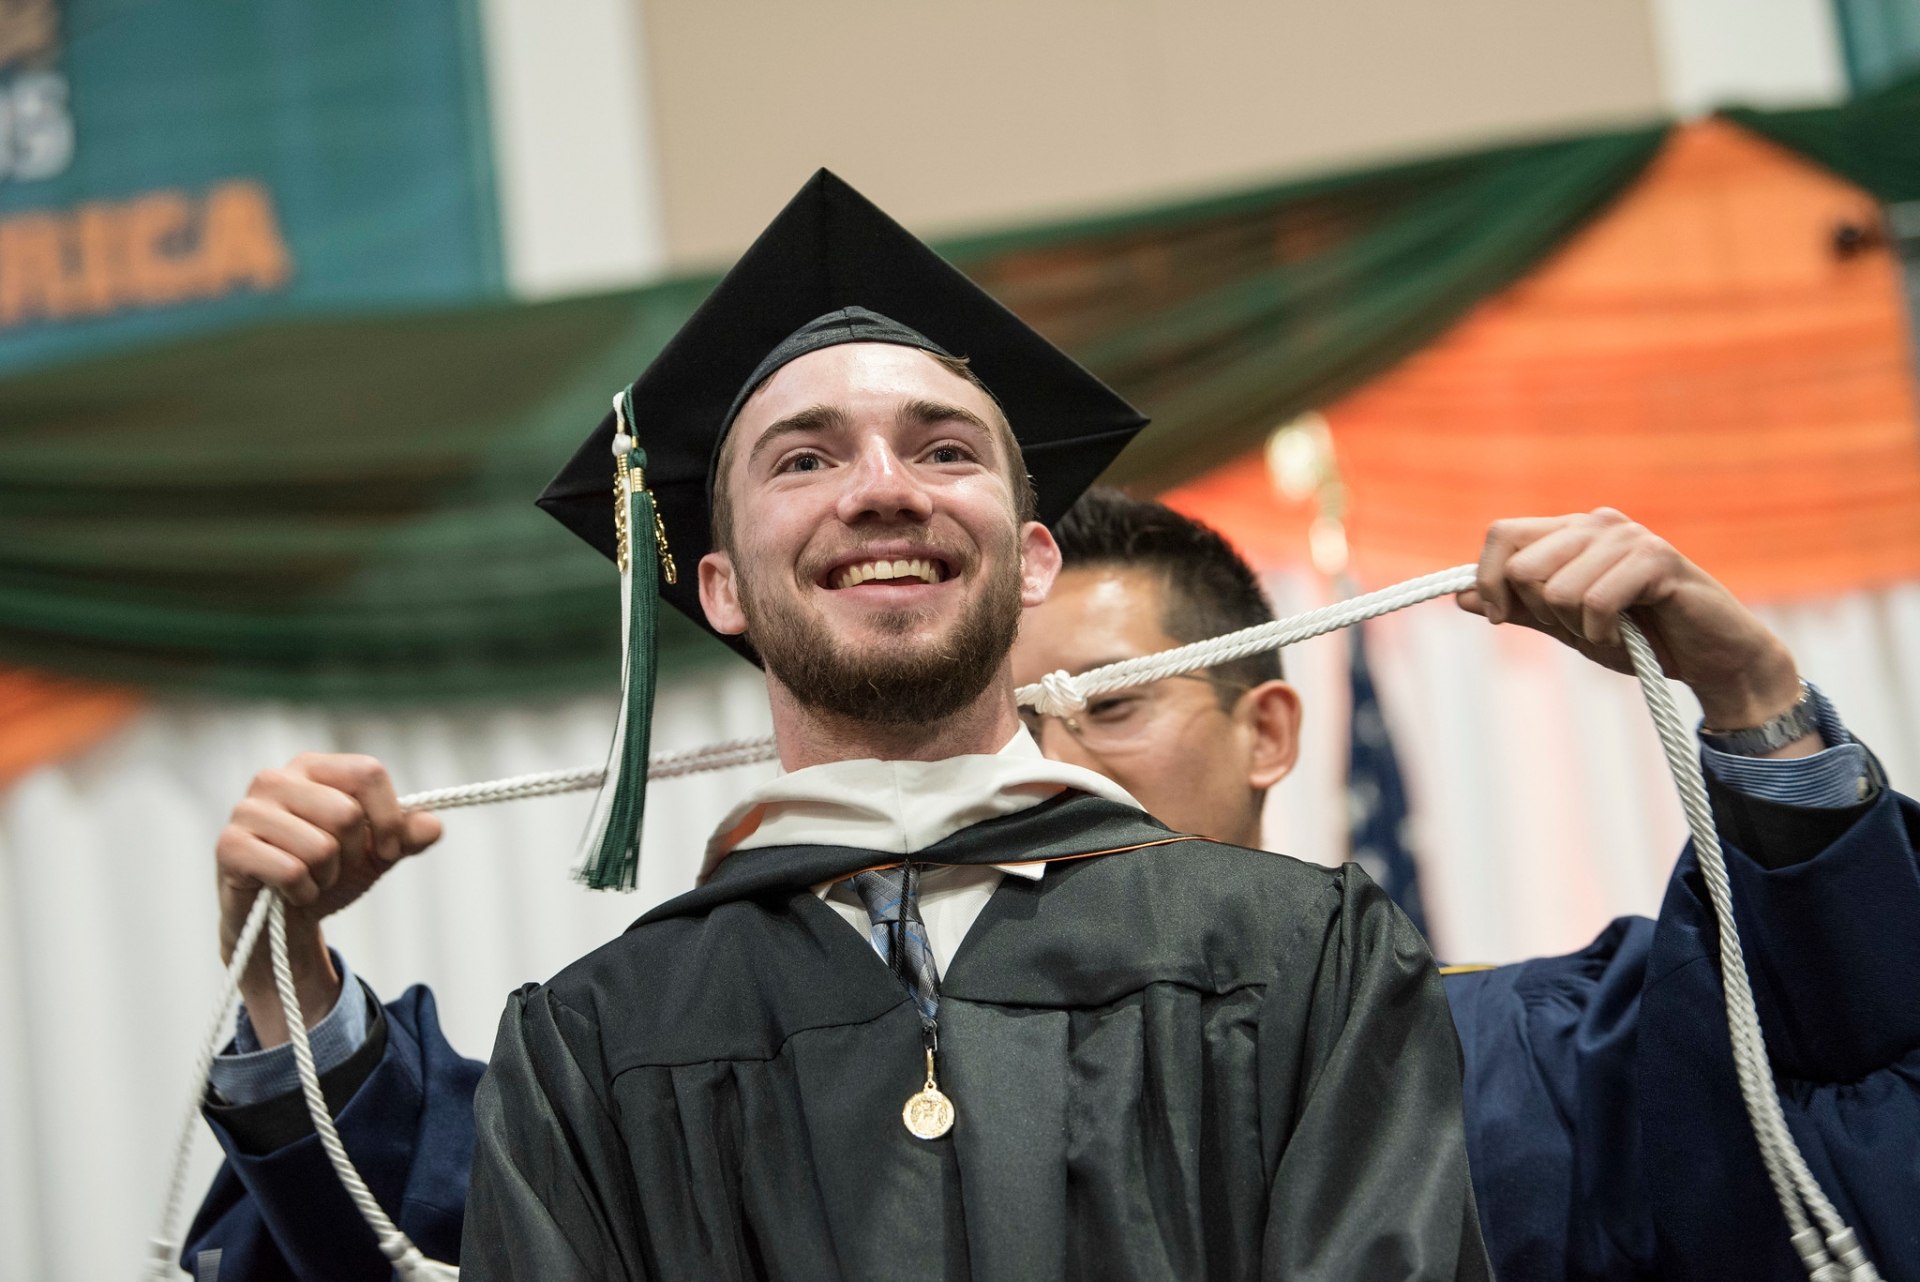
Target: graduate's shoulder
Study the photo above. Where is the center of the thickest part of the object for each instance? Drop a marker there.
(731, 980)
(1125, 844)
(1195, 864)
(1216, 887)
(1182, 911)
(658, 953)
(1123, 863)
(640, 948)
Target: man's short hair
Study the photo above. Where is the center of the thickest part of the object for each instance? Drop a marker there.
(1026, 501)
(1206, 588)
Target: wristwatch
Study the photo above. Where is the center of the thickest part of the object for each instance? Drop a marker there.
(1758, 741)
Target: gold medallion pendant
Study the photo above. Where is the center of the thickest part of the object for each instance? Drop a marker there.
(928, 1114)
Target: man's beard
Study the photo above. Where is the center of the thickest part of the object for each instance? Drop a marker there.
(893, 685)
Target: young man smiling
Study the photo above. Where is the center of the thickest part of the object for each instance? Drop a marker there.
(941, 1007)
(1059, 1039)
(878, 555)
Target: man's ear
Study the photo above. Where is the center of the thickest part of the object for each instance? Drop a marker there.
(1272, 714)
(720, 595)
(1039, 563)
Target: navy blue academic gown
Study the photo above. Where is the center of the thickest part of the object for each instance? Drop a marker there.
(1604, 1122)
(404, 1107)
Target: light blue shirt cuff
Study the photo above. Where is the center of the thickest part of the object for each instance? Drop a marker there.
(250, 1075)
(1836, 777)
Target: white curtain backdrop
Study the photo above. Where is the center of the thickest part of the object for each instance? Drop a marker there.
(1542, 809)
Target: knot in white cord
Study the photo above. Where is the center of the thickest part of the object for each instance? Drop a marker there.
(1059, 695)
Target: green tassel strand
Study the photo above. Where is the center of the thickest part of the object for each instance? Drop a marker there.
(615, 863)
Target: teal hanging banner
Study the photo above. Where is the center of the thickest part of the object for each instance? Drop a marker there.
(173, 167)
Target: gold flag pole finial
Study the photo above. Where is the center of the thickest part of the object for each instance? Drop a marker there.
(1301, 464)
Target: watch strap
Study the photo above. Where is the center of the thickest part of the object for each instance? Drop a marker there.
(1757, 741)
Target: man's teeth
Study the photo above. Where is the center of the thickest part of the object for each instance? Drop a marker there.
(884, 571)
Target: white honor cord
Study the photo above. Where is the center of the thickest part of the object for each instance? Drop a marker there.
(1056, 693)
(408, 1264)
(1824, 1241)
(1828, 1247)
(1059, 694)
(162, 1248)
(662, 765)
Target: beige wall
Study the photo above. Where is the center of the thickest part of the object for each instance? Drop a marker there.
(977, 114)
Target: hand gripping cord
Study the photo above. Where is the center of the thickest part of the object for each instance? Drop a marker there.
(1825, 1243)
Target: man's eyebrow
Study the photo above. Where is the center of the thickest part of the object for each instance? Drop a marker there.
(814, 418)
(921, 411)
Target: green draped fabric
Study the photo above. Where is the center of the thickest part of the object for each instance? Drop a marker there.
(329, 509)
(1873, 141)
(341, 508)
(1225, 318)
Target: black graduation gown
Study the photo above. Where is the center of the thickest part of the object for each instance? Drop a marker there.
(1177, 1059)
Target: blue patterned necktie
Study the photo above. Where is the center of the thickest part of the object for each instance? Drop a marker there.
(892, 897)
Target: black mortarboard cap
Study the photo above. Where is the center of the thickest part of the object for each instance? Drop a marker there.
(832, 251)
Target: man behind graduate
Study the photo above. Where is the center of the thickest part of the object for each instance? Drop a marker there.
(1064, 1041)
(1604, 1124)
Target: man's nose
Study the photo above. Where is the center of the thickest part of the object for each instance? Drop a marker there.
(880, 484)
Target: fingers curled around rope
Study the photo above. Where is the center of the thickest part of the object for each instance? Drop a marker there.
(1504, 541)
(363, 782)
(1571, 576)
(246, 859)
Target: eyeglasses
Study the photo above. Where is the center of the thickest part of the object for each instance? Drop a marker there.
(1127, 718)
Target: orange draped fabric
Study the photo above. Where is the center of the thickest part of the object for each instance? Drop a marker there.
(1699, 357)
(44, 717)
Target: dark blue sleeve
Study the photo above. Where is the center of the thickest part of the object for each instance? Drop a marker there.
(1550, 1083)
(405, 1113)
(1604, 1121)
(1833, 947)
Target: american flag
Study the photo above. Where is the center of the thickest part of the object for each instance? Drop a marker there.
(1377, 822)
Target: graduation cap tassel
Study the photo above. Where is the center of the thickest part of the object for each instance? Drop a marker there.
(610, 855)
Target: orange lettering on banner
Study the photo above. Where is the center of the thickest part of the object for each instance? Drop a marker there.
(157, 249)
(33, 275)
(242, 237)
(102, 268)
(161, 262)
